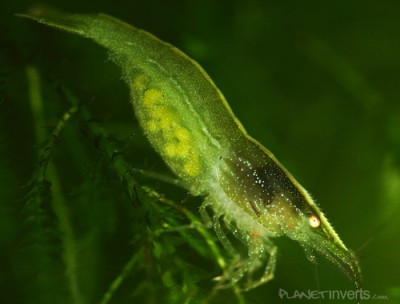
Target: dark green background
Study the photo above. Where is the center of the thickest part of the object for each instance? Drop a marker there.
(317, 82)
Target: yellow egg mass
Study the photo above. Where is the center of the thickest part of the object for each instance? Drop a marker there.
(163, 126)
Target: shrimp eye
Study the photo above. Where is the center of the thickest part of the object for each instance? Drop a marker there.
(314, 221)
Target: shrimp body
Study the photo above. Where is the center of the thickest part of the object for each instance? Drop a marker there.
(190, 124)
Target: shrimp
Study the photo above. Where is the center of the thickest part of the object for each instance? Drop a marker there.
(190, 124)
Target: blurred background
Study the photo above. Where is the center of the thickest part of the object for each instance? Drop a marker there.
(318, 83)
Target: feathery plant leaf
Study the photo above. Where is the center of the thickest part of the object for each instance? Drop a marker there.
(160, 233)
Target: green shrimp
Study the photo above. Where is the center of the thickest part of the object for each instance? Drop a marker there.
(189, 123)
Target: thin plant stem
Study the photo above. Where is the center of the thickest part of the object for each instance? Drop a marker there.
(48, 169)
